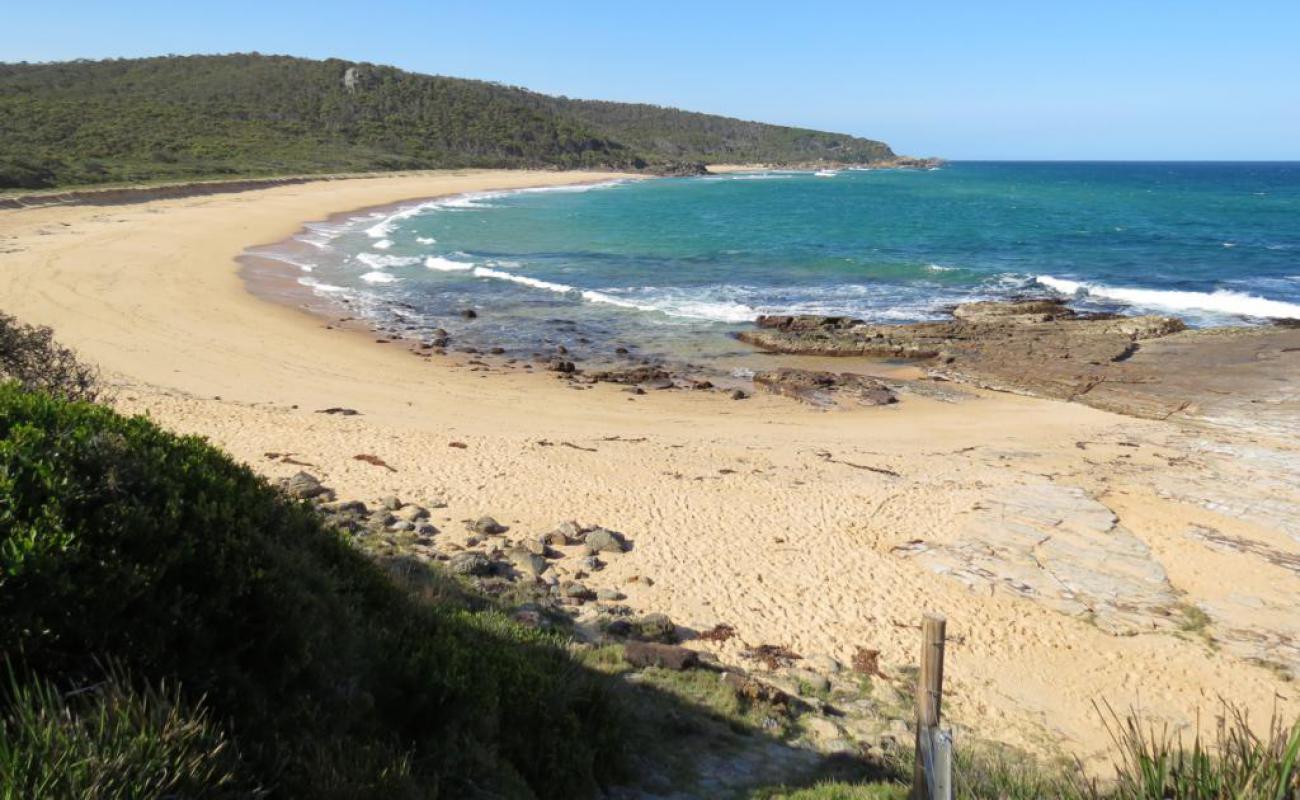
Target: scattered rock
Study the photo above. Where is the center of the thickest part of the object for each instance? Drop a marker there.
(305, 486)
(655, 628)
(822, 388)
(817, 683)
(824, 664)
(346, 412)
(530, 564)
(469, 313)
(470, 563)
(576, 590)
(488, 526)
(566, 533)
(601, 540)
(652, 654)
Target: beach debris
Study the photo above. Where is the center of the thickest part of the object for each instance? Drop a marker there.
(345, 412)
(287, 458)
(721, 632)
(752, 690)
(458, 445)
(772, 656)
(578, 447)
(375, 460)
(827, 457)
(654, 654)
(867, 662)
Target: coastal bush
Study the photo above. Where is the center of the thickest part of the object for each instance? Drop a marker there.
(185, 117)
(30, 356)
(121, 541)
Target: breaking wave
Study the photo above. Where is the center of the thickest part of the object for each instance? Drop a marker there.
(1221, 301)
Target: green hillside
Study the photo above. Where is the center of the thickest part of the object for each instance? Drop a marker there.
(182, 117)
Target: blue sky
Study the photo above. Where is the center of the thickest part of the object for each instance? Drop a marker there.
(1142, 79)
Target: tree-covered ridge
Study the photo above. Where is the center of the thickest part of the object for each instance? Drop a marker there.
(179, 117)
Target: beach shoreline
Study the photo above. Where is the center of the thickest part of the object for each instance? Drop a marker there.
(755, 514)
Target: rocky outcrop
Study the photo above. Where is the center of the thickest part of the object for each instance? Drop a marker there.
(825, 389)
(1036, 346)
(1059, 547)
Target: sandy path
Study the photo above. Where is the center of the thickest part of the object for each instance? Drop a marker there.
(786, 545)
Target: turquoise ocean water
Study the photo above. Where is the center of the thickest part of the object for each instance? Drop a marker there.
(684, 261)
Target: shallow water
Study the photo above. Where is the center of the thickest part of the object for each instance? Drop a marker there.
(674, 265)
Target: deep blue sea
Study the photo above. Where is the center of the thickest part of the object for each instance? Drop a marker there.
(662, 262)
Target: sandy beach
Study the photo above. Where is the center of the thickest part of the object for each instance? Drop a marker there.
(824, 531)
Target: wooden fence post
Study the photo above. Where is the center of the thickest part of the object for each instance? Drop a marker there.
(929, 700)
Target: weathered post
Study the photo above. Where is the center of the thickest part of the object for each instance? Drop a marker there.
(929, 702)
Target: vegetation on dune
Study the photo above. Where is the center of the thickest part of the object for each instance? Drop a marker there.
(30, 356)
(126, 543)
(174, 117)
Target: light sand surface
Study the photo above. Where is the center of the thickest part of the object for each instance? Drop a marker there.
(754, 513)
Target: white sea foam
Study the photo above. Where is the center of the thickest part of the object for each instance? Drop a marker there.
(382, 244)
(939, 268)
(379, 277)
(380, 261)
(524, 280)
(759, 176)
(446, 264)
(324, 288)
(1220, 301)
(426, 240)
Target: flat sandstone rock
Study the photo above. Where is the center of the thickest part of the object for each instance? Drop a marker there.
(1057, 546)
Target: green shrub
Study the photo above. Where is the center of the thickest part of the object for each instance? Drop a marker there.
(119, 540)
(30, 356)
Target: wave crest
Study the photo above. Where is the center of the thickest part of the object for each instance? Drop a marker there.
(1221, 301)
